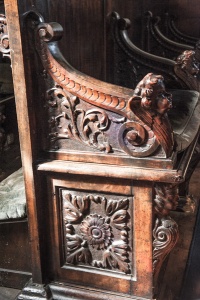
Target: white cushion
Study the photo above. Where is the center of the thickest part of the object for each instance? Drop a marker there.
(12, 197)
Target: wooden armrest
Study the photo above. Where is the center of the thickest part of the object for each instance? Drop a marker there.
(144, 122)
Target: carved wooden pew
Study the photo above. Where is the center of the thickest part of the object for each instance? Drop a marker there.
(105, 172)
(154, 41)
(172, 32)
(131, 63)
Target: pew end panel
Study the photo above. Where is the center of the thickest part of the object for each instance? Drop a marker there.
(102, 166)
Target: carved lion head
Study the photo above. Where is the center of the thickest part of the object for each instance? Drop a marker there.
(151, 91)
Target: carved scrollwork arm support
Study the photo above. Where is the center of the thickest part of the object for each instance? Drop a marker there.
(145, 126)
(165, 231)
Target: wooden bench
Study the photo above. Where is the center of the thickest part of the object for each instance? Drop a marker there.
(172, 31)
(102, 165)
(132, 63)
(154, 41)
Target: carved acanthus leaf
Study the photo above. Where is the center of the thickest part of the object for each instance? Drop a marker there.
(75, 207)
(112, 206)
(77, 250)
(165, 235)
(116, 257)
(165, 232)
(119, 219)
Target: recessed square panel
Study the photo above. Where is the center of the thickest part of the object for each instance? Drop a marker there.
(97, 231)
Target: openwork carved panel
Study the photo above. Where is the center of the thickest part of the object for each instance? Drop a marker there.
(74, 124)
(97, 230)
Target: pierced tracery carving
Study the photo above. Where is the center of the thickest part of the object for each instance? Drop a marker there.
(96, 230)
(142, 139)
(69, 120)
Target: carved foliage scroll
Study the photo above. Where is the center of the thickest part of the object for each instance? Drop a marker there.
(165, 236)
(69, 118)
(165, 232)
(72, 119)
(96, 230)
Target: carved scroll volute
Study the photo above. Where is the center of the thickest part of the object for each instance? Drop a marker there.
(165, 232)
(187, 69)
(144, 128)
(4, 40)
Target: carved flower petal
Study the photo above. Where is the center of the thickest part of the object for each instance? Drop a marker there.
(113, 205)
(119, 219)
(117, 257)
(71, 216)
(73, 242)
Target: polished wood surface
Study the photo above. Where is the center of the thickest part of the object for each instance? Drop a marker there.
(90, 220)
(15, 254)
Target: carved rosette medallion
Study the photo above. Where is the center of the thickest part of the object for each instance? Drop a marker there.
(97, 231)
(165, 232)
